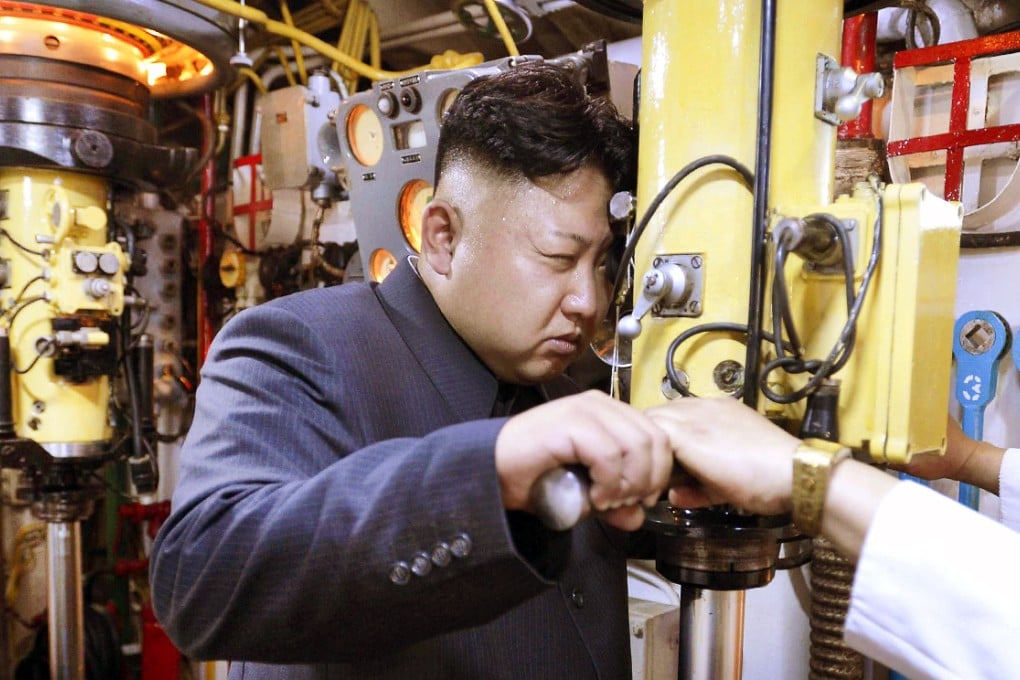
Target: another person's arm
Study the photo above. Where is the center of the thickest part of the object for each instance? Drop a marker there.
(935, 591)
(966, 460)
(736, 456)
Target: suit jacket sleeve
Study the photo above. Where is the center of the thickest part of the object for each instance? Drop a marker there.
(287, 522)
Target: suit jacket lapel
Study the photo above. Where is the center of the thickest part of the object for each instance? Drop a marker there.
(466, 385)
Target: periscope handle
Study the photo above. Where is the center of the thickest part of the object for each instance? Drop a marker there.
(560, 497)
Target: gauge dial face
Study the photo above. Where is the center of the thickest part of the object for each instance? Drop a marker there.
(365, 135)
(446, 101)
(413, 198)
(381, 264)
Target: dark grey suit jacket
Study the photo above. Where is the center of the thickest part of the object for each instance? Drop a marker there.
(338, 433)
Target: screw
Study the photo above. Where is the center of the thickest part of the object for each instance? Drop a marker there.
(696, 262)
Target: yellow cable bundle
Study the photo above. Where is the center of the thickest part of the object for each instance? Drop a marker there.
(254, 77)
(298, 57)
(448, 59)
(281, 29)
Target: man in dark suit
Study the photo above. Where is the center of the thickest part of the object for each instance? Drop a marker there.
(354, 498)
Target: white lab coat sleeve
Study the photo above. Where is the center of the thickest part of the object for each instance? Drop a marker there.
(936, 591)
(1009, 489)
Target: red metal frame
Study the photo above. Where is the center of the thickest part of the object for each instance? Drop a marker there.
(257, 196)
(859, 34)
(206, 239)
(961, 55)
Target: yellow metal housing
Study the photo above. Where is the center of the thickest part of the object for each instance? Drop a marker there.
(693, 106)
(895, 388)
(53, 218)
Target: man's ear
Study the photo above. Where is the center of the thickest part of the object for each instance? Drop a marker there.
(440, 231)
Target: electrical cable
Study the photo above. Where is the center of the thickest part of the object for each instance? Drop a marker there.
(504, 31)
(681, 175)
(40, 352)
(285, 63)
(842, 348)
(17, 310)
(762, 163)
(259, 17)
(208, 135)
(39, 253)
(24, 289)
(299, 58)
(254, 78)
(715, 327)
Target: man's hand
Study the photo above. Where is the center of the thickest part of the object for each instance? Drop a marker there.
(732, 453)
(628, 456)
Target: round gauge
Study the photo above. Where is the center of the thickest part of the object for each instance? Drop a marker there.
(232, 269)
(381, 264)
(445, 102)
(365, 135)
(413, 198)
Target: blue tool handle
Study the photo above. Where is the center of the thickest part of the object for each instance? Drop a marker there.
(981, 339)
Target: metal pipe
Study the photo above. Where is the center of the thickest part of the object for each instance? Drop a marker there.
(762, 163)
(64, 601)
(711, 634)
(206, 239)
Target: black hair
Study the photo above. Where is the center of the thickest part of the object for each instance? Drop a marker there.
(536, 120)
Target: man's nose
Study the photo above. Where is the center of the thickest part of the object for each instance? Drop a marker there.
(585, 296)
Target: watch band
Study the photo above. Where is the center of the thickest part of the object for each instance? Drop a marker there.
(813, 462)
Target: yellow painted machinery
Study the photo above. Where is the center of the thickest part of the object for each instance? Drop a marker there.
(75, 88)
(830, 315)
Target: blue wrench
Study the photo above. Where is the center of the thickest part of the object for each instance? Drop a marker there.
(981, 339)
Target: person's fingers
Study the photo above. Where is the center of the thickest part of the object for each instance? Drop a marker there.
(689, 496)
(627, 518)
(646, 457)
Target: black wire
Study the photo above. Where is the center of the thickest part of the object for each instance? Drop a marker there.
(26, 303)
(24, 289)
(714, 327)
(721, 327)
(6, 233)
(781, 313)
(39, 354)
(635, 236)
(843, 347)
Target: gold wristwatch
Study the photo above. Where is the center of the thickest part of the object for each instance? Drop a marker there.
(813, 462)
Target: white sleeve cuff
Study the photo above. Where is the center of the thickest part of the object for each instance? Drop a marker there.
(1009, 489)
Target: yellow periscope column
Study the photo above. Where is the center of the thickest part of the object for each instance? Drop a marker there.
(699, 97)
(64, 289)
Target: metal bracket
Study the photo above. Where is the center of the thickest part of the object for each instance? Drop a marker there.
(690, 305)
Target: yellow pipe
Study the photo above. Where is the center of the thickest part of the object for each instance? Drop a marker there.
(298, 57)
(285, 62)
(504, 32)
(374, 48)
(344, 41)
(360, 33)
(254, 78)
